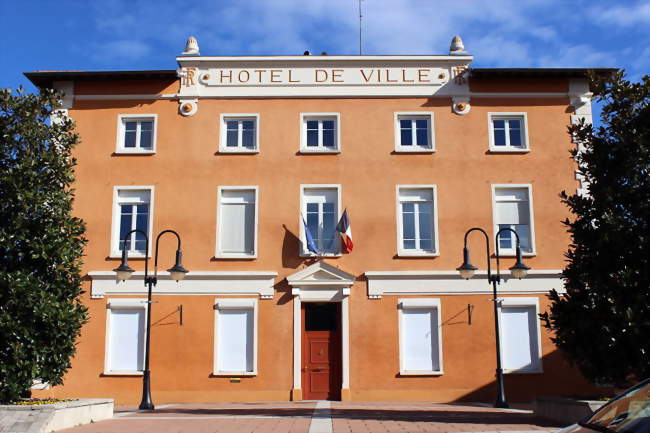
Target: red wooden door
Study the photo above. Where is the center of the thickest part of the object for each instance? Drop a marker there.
(321, 353)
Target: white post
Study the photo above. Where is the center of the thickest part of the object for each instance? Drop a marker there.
(345, 342)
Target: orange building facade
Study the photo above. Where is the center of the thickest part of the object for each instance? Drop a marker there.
(246, 156)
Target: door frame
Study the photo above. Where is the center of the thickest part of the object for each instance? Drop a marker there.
(296, 392)
(336, 365)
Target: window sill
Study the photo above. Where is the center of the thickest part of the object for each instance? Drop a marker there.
(235, 256)
(234, 374)
(524, 371)
(131, 255)
(421, 373)
(417, 254)
(508, 150)
(321, 255)
(122, 373)
(414, 150)
(134, 152)
(239, 150)
(514, 254)
(325, 151)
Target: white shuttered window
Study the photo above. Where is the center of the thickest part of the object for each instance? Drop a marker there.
(236, 337)
(237, 221)
(513, 210)
(520, 338)
(126, 336)
(419, 337)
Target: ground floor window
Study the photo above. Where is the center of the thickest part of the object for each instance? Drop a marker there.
(235, 348)
(520, 337)
(125, 336)
(419, 336)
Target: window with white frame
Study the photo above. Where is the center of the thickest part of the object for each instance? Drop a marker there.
(132, 210)
(235, 349)
(136, 133)
(419, 335)
(239, 133)
(416, 212)
(125, 335)
(508, 132)
(237, 220)
(520, 341)
(320, 209)
(512, 209)
(320, 133)
(414, 132)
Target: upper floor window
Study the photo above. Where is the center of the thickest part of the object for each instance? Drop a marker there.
(414, 132)
(416, 218)
(320, 209)
(239, 133)
(320, 133)
(131, 210)
(136, 133)
(513, 209)
(508, 132)
(237, 222)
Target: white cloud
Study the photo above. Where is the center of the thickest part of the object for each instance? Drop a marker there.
(623, 16)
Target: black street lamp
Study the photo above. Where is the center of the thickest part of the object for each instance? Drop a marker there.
(124, 272)
(518, 270)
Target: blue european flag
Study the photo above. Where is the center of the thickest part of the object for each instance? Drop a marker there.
(311, 245)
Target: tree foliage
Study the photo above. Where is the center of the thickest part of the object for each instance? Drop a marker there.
(41, 243)
(603, 321)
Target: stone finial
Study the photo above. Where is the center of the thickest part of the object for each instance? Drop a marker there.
(191, 47)
(457, 48)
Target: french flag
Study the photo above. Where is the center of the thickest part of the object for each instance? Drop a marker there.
(344, 229)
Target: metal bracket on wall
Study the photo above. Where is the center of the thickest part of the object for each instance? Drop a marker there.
(470, 310)
(180, 311)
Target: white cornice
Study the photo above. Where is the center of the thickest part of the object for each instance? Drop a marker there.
(323, 59)
(195, 283)
(382, 283)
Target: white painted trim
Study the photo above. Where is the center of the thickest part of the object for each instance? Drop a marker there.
(422, 303)
(119, 142)
(431, 133)
(115, 252)
(241, 304)
(323, 59)
(523, 302)
(223, 131)
(304, 252)
(389, 283)
(345, 343)
(297, 343)
(519, 94)
(319, 116)
(495, 225)
(122, 304)
(218, 253)
(508, 149)
(222, 283)
(401, 252)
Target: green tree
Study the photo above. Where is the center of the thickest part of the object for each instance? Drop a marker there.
(41, 243)
(603, 321)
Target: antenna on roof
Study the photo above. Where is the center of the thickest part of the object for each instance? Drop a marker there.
(360, 16)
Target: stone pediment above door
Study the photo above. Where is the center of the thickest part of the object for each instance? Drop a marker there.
(321, 281)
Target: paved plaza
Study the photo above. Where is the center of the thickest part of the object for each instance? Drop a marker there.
(318, 417)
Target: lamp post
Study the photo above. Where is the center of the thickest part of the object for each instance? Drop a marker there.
(518, 270)
(124, 272)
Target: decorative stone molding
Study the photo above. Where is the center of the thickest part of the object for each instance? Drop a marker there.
(580, 99)
(381, 283)
(460, 105)
(188, 107)
(320, 282)
(195, 283)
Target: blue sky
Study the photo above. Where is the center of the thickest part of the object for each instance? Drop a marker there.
(132, 34)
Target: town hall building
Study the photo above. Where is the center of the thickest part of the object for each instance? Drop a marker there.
(321, 203)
